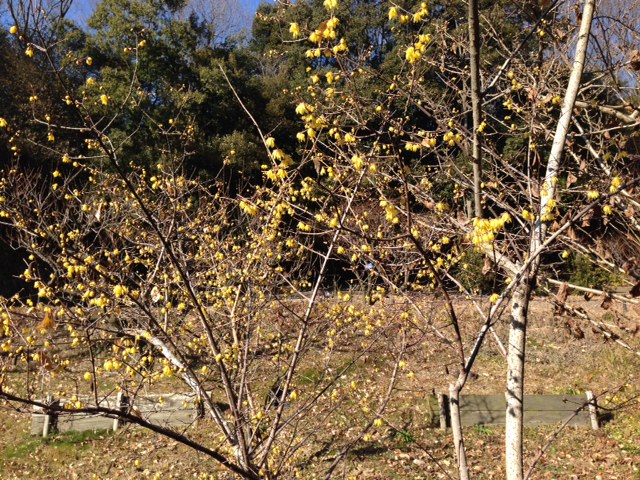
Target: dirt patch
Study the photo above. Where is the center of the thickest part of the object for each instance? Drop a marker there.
(559, 361)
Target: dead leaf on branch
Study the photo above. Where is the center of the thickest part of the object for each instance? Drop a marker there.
(606, 302)
(561, 298)
(574, 329)
(586, 219)
(487, 267)
(583, 165)
(630, 212)
(47, 323)
(634, 60)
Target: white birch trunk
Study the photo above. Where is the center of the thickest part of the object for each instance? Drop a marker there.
(522, 292)
(456, 430)
(515, 382)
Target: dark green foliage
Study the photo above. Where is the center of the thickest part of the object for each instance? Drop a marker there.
(469, 273)
(585, 273)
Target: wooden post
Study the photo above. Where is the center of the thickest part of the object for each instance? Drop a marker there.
(47, 418)
(593, 410)
(119, 407)
(442, 404)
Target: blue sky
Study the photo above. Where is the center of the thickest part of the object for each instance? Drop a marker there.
(238, 12)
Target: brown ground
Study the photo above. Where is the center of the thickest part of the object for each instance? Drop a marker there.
(558, 362)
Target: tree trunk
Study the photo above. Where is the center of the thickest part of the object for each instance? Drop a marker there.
(522, 292)
(515, 380)
(456, 429)
(476, 104)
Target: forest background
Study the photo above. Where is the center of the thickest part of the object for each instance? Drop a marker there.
(177, 196)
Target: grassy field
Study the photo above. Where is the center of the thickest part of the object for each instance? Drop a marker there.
(559, 362)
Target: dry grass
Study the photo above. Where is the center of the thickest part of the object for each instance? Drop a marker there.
(404, 447)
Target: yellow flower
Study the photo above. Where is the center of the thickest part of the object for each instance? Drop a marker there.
(494, 298)
(89, 61)
(565, 254)
(119, 291)
(294, 29)
(330, 4)
(104, 99)
(616, 183)
(527, 215)
(29, 52)
(278, 154)
(13, 30)
(393, 13)
(593, 195)
(87, 376)
(142, 44)
(378, 422)
(3, 123)
(302, 108)
(91, 81)
(412, 55)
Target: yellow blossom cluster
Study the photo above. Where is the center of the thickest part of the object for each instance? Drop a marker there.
(452, 138)
(326, 31)
(527, 215)
(330, 4)
(416, 17)
(294, 30)
(548, 211)
(616, 183)
(485, 230)
(391, 212)
(421, 14)
(414, 52)
(248, 208)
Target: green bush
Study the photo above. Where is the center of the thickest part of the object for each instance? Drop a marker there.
(585, 273)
